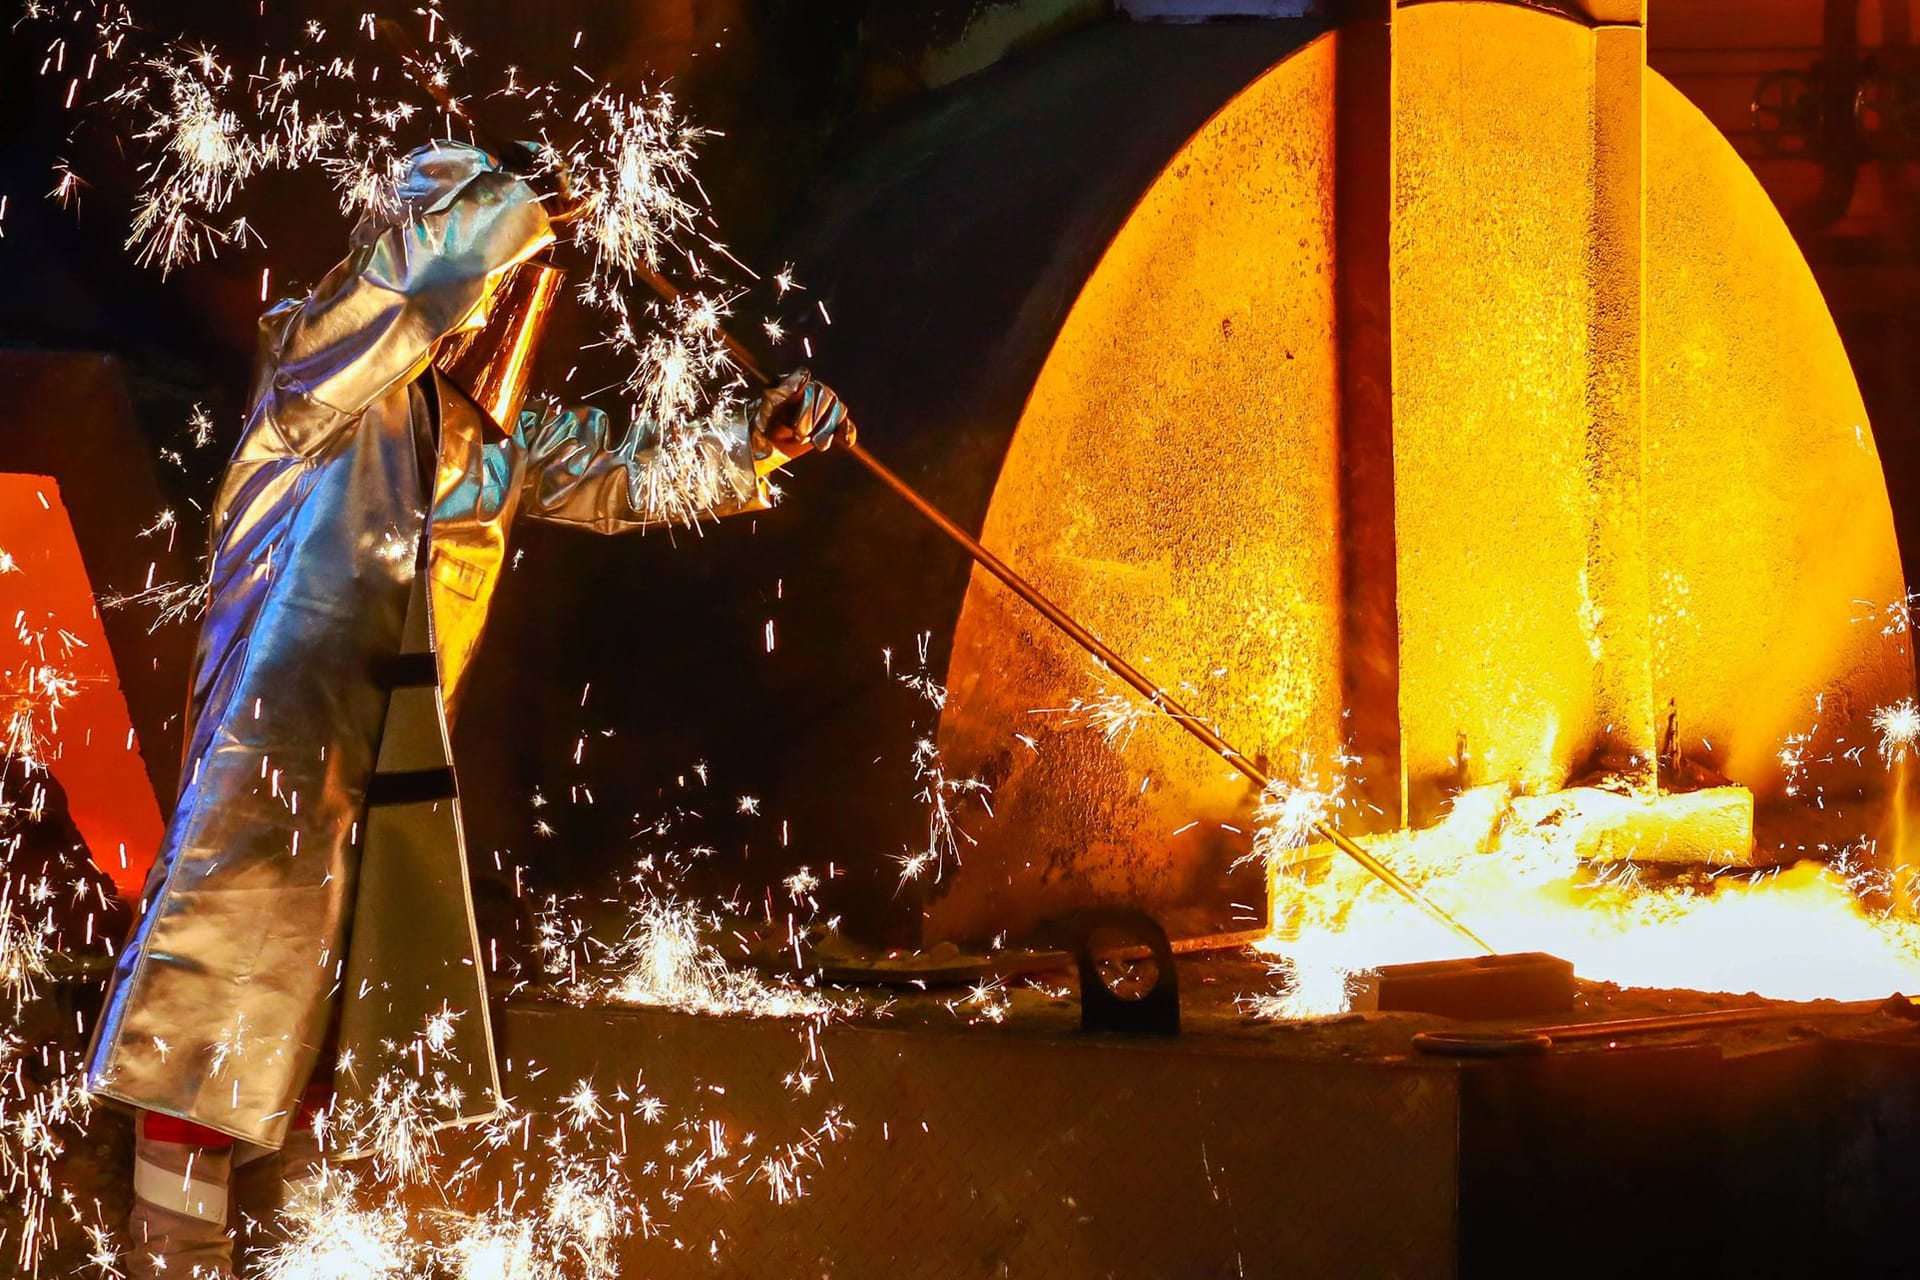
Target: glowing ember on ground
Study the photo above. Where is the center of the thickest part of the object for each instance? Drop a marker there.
(666, 960)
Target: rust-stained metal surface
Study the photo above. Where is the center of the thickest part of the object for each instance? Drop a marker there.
(977, 1153)
(1322, 1149)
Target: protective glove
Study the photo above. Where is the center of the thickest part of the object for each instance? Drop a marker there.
(547, 173)
(799, 414)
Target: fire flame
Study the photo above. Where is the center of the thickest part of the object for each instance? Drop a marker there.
(1800, 933)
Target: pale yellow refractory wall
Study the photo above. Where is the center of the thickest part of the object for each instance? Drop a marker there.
(1567, 559)
(1171, 484)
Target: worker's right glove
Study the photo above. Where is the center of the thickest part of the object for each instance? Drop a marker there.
(799, 414)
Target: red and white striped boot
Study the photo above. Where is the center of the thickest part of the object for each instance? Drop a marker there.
(182, 1178)
(201, 1198)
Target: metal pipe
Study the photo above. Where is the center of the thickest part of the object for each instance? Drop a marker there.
(1743, 1015)
(1528, 1040)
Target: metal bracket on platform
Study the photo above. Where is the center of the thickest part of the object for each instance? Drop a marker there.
(1113, 998)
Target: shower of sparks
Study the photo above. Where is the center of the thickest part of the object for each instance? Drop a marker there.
(1799, 933)
(332, 1235)
(66, 186)
(197, 434)
(801, 885)
(1291, 807)
(43, 1107)
(1895, 618)
(39, 1118)
(172, 603)
(1899, 728)
(34, 685)
(667, 954)
(1113, 715)
(1803, 932)
(1810, 749)
(204, 126)
(165, 522)
(665, 959)
(565, 1216)
(634, 166)
(985, 1002)
(25, 952)
(208, 129)
(204, 157)
(200, 427)
(943, 796)
(921, 679)
(691, 470)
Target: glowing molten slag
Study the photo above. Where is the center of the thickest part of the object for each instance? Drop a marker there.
(1800, 933)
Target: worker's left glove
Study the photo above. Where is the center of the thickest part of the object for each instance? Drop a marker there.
(799, 414)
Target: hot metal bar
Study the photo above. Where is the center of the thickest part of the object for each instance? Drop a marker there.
(1532, 1040)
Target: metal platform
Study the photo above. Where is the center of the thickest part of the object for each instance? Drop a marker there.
(1028, 1149)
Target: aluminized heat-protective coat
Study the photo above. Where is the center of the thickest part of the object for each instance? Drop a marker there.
(224, 995)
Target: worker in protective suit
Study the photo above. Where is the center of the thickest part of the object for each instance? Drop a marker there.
(312, 882)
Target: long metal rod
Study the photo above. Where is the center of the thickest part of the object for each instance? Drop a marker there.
(1744, 1014)
(1147, 689)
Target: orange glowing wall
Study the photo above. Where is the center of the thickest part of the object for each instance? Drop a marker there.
(1171, 483)
(1633, 485)
(95, 755)
(1775, 570)
(1574, 577)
